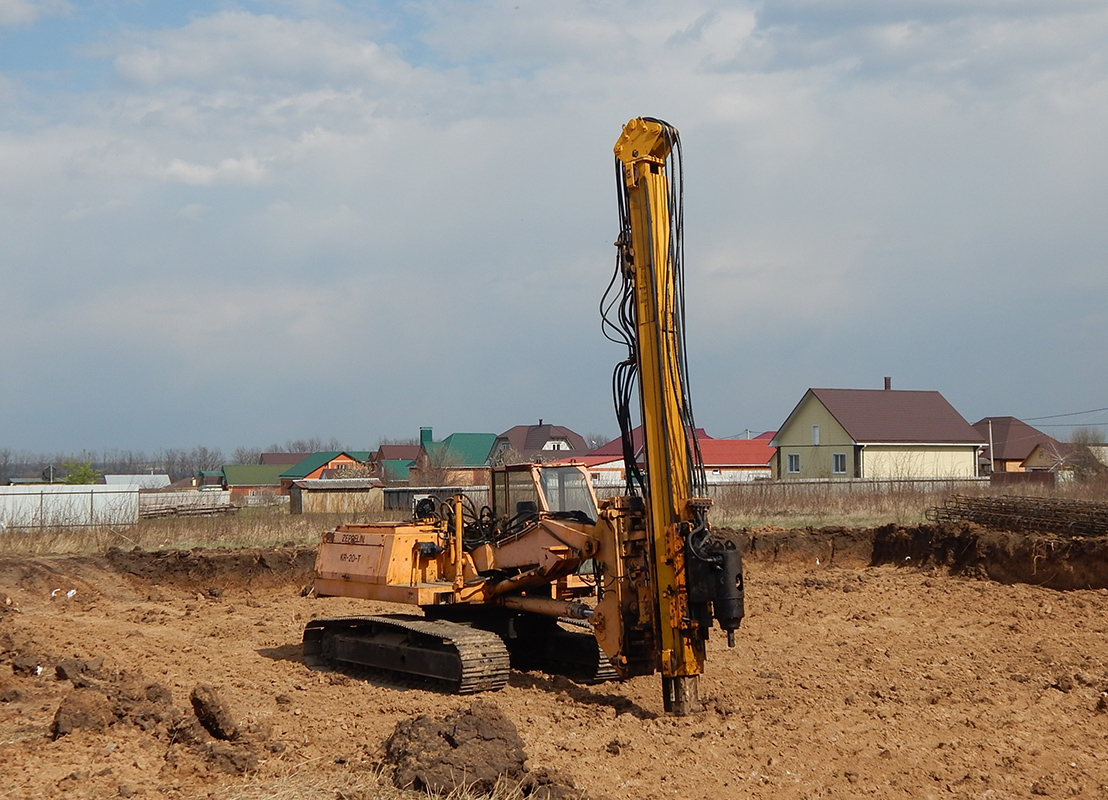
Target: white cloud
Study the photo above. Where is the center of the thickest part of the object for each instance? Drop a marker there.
(245, 170)
(261, 185)
(244, 51)
(26, 12)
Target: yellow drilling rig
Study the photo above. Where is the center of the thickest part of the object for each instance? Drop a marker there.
(545, 577)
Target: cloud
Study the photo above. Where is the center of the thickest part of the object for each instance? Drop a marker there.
(243, 51)
(230, 170)
(356, 194)
(26, 12)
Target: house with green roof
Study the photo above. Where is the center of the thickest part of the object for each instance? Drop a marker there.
(252, 480)
(461, 459)
(322, 465)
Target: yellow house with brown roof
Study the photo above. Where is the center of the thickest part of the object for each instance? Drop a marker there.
(875, 434)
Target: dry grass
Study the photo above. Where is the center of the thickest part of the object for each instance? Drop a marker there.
(828, 504)
(249, 527)
(356, 782)
(756, 505)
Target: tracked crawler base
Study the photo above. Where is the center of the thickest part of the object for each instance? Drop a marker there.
(434, 654)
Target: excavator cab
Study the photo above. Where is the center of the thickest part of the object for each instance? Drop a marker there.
(521, 493)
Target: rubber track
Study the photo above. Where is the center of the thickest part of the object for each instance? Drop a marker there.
(483, 656)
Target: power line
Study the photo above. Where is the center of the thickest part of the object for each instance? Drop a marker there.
(1074, 425)
(1071, 414)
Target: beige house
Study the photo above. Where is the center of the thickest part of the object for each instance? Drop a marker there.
(1009, 443)
(881, 434)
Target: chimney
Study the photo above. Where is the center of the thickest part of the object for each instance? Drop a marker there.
(540, 421)
(424, 436)
(888, 384)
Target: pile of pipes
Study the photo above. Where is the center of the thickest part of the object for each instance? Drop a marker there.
(152, 511)
(1026, 514)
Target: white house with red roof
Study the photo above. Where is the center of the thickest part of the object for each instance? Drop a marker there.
(726, 461)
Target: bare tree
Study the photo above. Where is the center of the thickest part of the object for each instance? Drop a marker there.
(312, 444)
(201, 458)
(434, 468)
(1087, 443)
(410, 440)
(247, 455)
(595, 440)
(507, 455)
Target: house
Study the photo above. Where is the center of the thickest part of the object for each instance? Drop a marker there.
(1065, 457)
(461, 459)
(288, 459)
(391, 462)
(210, 479)
(725, 461)
(535, 444)
(1009, 442)
(327, 464)
(252, 480)
(736, 460)
(875, 434)
(615, 447)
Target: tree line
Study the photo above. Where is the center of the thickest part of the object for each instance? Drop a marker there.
(178, 463)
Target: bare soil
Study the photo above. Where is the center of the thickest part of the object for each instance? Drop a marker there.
(872, 663)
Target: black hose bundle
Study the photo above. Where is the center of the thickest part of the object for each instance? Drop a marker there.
(620, 298)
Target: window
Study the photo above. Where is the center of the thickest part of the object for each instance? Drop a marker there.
(793, 462)
(815, 435)
(838, 463)
(566, 489)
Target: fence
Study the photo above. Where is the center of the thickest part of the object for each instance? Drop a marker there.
(62, 506)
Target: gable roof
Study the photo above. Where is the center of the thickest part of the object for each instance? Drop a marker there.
(614, 448)
(1013, 439)
(142, 480)
(894, 416)
(462, 449)
(253, 474)
(735, 452)
(288, 459)
(395, 469)
(317, 460)
(533, 437)
(396, 452)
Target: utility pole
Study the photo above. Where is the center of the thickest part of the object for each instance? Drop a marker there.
(992, 456)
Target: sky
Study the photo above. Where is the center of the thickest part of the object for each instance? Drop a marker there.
(238, 223)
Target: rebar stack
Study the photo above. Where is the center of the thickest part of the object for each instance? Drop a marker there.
(1026, 514)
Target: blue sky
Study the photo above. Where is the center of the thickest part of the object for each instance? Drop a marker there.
(242, 223)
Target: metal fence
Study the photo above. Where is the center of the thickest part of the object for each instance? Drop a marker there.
(63, 506)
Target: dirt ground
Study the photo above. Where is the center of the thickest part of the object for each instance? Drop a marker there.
(848, 680)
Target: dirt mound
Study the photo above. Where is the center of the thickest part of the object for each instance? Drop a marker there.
(1047, 560)
(844, 547)
(99, 700)
(477, 747)
(202, 568)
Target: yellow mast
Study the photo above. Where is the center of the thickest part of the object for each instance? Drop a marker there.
(642, 150)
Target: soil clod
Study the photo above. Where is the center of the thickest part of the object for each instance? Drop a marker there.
(213, 713)
(82, 709)
(476, 747)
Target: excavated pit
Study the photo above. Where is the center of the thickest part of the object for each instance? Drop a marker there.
(898, 661)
